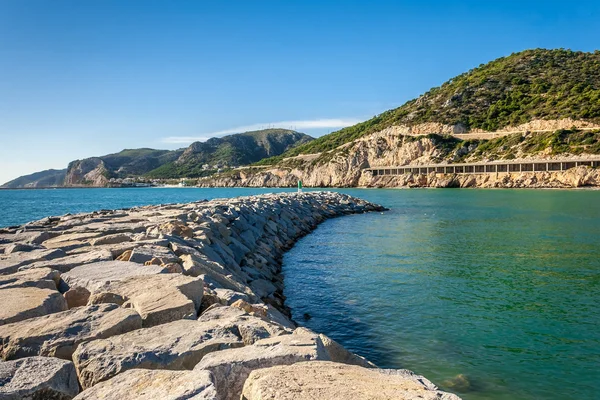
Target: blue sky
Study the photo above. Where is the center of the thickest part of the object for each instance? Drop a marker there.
(87, 78)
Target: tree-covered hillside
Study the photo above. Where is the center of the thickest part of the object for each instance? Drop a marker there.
(133, 162)
(203, 158)
(525, 86)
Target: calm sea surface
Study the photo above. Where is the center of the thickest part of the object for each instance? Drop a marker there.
(493, 294)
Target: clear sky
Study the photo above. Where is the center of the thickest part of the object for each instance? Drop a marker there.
(85, 78)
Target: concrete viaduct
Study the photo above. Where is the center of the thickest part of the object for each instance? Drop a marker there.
(488, 167)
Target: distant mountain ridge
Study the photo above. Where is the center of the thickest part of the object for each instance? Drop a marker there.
(202, 158)
(47, 178)
(199, 159)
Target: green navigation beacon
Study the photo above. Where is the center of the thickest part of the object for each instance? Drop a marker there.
(299, 186)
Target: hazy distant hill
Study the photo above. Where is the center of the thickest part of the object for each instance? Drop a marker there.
(47, 178)
(233, 150)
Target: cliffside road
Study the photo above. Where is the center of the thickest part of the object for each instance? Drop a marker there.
(172, 301)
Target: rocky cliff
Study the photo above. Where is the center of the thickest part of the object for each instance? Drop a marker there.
(88, 172)
(343, 166)
(533, 104)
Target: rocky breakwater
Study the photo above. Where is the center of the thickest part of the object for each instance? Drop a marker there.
(178, 301)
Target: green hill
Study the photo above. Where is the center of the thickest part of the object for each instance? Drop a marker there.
(204, 158)
(47, 178)
(533, 84)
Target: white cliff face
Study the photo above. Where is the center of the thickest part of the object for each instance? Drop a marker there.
(342, 167)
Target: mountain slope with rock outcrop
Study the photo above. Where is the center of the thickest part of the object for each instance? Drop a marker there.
(47, 178)
(531, 85)
(203, 158)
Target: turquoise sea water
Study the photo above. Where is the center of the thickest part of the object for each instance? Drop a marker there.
(499, 286)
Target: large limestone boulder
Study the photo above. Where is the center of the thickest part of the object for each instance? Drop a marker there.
(38, 378)
(59, 334)
(198, 264)
(26, 237)
(69, 262)
(96, 275)
(336, 351)
(18, 304)
(111, 239)
(159, 298)
(176, 227)
(231, 367)
(250, 328)
(176, 345)
(144, 384)
(263, 288)
(9, 264)
(43, 278)
(228, 296)
(16, 247)
(332, 381)
(65, 239)
(143, 254)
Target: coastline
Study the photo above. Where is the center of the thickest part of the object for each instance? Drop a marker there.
(218, 261)
(343, 178)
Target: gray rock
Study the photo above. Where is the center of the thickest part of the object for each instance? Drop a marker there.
(77, 296)
(9, 264)
(60, 240)
(144, 384)
(228, 297)
(59, 334)
(231, 367)
(263, 288)
(250, 328)
(176, 345)
(38, 378)
(278, 317)
(332, 381)
(111, 239)
(196, 265)
(96, 275)
(159, 298)
(26, 237)
(336, 352)
(17, 247)
(43, 278)
(146, 253)
(69, 262)
(22, 303)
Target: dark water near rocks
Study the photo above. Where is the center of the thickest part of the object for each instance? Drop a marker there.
(501, 286)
